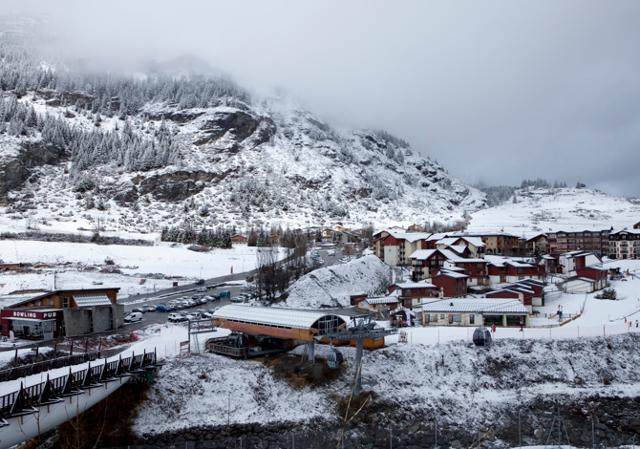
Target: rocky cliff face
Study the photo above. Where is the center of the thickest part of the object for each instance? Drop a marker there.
(160, 151)
(19, 160)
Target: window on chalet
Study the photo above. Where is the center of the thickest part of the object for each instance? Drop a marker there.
(65, 302)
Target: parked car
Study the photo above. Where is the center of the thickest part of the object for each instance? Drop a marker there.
(162, 308)
(138, 309)
(331, 252)
(200, 282)
(238, 299)
(175, 317)
(133, 317)
(189, 316)
(209, 298)
(150, 308)
(203, 300)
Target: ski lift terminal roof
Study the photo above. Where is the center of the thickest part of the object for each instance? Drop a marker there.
(272, 316)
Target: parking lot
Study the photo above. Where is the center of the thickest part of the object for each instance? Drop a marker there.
(329, 256)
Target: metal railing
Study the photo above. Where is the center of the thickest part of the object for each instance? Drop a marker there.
(58, 362)
(217, 345)
(23, 400)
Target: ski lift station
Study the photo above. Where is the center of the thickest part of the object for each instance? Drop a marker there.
(260, 330)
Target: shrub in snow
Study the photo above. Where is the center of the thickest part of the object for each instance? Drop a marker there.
(608, 293)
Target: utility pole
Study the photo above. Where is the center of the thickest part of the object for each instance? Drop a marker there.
(435, 431)
(519, 428)
(593, 431)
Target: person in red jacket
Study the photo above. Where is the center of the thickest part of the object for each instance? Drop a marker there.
(493, 328)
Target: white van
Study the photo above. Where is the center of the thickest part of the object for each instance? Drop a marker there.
(133, 317)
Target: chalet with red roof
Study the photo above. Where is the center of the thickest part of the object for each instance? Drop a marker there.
(451, 283)
(411, 293)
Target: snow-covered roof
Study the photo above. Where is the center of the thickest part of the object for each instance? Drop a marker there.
(411, 284)
(580, 279)
(501, 261)
(452, 274)
(422, 254)
(448, 241)
(518, 264)
(408, 236)
(530, 281)
(469, 260)
(383, 300)
(459, 249)
(11, 300)
(487, 306)
(437, 236)
(475, 241)
(596, 267)
(270, 316)
(626, 230)
(574, 254)
(519, 288)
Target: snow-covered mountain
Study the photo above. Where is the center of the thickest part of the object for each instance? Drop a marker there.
(536, 210)
(146, 152)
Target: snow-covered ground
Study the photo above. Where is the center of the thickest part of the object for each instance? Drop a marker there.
(543, 210)
(70, 262)
(332, 286)
(459, 382)
(69, 278)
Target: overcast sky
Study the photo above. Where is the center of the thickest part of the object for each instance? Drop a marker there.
(496, 91)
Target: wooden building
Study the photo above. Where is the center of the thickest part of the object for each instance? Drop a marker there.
(537, 245)
(239, 239)
(61, 313)
(412, 293)
(475, 269)
(427, 262)
(569, 263)
(503, 270)
(598, 275)
(451, 284)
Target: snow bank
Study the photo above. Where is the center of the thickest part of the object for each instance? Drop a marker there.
(332, 286)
